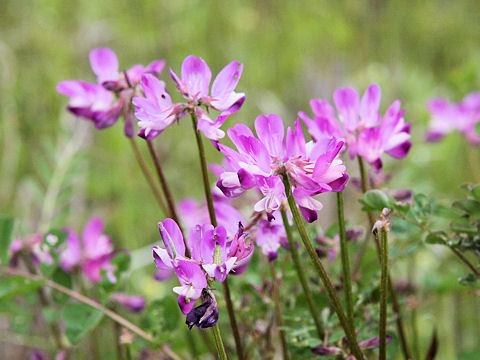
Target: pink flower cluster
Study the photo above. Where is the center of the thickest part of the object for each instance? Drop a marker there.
(105, 101)
(312, 168)
(91, 253)
(204, 259)
(156, 111)
(358, 121)
(462, 117)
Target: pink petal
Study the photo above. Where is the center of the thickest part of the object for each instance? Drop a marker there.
(104, 64)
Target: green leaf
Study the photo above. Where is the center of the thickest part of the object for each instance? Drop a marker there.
(79, 320)
(376, 200)
(463, 226)
(469, 206)
(476, 192)
(437, 237)
(469, 280)
(6, 236)
(17, 285)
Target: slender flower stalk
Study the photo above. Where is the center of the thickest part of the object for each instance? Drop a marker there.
(355, 349)
(347, 281)
(302, 276)
(219, 343)
(278, 310)
(383, 295)
(163, 181)
(393, 294)
(213, 220)
(371, 220)
(148, 176)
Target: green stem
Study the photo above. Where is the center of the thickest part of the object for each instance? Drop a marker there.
(383, 295)
(393, 294)
(219, 343)
(128, 351)
(302, 276)
(203, 164)
(213, 220)
(278, 310)
(163, 181)
(322, 273)
(347, 281)
(148, 176)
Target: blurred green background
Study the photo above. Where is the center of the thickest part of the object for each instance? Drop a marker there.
(292, 50)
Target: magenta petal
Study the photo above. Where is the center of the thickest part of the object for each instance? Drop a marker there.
(72, 255)
(370, 104)
(185, 305)
(196, 76)
(172, 238)
(270, 131)
(104, 64)
(347, 103)
(401, 150)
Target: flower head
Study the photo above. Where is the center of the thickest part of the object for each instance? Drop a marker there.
(447, 117)
(312, 168)
(105, 101)
(211, 253)
(92, 252)
(359, 122)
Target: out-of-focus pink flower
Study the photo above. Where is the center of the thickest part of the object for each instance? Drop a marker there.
(32, 244)
(447, 117)
(271, 235)
(134, 303)
(312, 168)
(359, 122)
(105, 101)
(92, 253)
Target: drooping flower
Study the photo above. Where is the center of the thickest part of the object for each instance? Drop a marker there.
(447, 117)
(312, 168)
(359, 122)
(105, 101)
(91, 253)
(204, 315)
(210, 254)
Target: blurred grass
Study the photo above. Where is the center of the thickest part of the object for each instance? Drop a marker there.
(292, 51)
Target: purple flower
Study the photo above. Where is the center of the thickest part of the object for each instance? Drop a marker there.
(210, 254)
(92, 253)
(104, 102)
(447, 117)
(32, 244)
(271, 235)
(359, 122)
(133, 303)
(312, 168)
(154, 111)
(194, 85)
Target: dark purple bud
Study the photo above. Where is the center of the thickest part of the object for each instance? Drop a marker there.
(372, 343)
(402, 195)
(129, 127)
(113, 85)
(326, 351)
(353, 234)
(204, 315)
(37, 355)
(308, 214)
